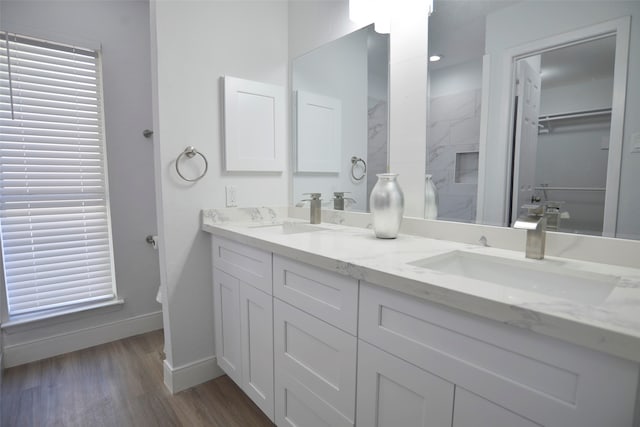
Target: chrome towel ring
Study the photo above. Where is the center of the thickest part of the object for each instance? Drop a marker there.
(191, 152)
(354, 162)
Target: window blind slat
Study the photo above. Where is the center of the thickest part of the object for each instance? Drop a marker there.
(32, 97)
(28, 245)
(73, 101)
(54, 278)
(42, 119)
(54, 219)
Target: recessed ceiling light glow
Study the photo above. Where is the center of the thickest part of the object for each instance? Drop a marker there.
(435, 58)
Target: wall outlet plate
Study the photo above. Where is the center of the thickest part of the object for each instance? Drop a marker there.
(232, 196)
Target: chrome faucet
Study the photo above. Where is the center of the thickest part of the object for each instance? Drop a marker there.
(339, 199)
(535, 223)
(315, 204)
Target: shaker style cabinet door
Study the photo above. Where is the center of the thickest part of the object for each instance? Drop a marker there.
(471, 410)
(226, 308)
(315, 370)
(392, 392)
(256, 326)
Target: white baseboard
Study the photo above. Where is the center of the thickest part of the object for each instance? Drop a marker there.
(191, 374)
(55, 345)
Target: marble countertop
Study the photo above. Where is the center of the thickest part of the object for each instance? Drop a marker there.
(611, 325)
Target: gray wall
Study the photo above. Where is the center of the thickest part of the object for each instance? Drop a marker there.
(122, 28)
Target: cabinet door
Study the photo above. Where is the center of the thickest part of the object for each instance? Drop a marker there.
(226, 303)
(256, 325)
(319, 360)
(392, 392)
(471, 410)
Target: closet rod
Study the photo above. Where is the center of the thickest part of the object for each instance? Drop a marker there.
(572, 188)
(574, 115)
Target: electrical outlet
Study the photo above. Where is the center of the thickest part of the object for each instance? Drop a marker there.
(232, 196)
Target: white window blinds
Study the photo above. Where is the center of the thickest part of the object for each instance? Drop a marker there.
(54, 214)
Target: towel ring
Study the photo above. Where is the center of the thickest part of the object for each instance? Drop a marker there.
(354, 162)
(191, 152)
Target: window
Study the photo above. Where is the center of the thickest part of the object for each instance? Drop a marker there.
(54, 211)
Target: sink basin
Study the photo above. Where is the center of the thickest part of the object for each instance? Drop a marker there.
(544, 277)
(292, 227)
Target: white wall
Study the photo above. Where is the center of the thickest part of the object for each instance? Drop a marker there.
(455, 79)
(196, 43)
(586, 95)
(314, 23)
(520, 24)
(408, 104)
(337, 70)
(582, 142)
(122, 28)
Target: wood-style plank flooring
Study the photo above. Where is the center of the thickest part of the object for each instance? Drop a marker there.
(118, 384)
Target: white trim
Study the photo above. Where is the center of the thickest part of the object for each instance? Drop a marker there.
(190, 374)
(619, 27)
(484, 126)
(31, 351)
(19, 323)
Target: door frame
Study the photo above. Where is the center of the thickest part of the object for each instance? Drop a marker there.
(619, 27)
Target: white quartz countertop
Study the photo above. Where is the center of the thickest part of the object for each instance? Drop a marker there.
(611, 326)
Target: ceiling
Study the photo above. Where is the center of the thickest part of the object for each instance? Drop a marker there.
(457, 29)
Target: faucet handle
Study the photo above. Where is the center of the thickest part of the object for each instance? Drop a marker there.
(340, 194)
(314, 196)
(534, 210)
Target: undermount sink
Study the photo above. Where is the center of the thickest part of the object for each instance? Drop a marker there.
(292, 227)
(543, 277)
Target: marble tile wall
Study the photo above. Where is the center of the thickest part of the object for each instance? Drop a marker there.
(454, 129)
(377, 145)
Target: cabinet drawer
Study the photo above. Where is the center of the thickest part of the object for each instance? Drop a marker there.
(329, 296)
(297, 406)
(320, 357)
(248, 264)
(548, 381)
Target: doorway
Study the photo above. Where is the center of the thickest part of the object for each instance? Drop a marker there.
(562, 129)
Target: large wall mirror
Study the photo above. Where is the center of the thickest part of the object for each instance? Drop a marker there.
(340, 116)
(531, 102)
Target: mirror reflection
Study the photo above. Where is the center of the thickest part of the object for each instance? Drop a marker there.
(576, 150)
(523, 114)
(340, 119)
(562, 128)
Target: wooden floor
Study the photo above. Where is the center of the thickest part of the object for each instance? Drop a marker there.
(118, 384)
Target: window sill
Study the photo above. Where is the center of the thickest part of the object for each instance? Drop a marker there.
(27, 322)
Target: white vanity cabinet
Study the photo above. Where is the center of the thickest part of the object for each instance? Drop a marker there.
(503, 376)
(312, 347)
(315, 344)
(392, 392)
(243, 312)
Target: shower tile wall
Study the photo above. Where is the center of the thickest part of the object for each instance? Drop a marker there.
(377, 146)
(454, 129)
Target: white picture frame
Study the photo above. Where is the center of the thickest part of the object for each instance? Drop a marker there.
(254, 126)
(318, 133)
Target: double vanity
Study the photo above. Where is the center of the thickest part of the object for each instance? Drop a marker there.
(327, 325)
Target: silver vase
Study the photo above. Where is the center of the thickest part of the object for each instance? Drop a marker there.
(387, 206)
